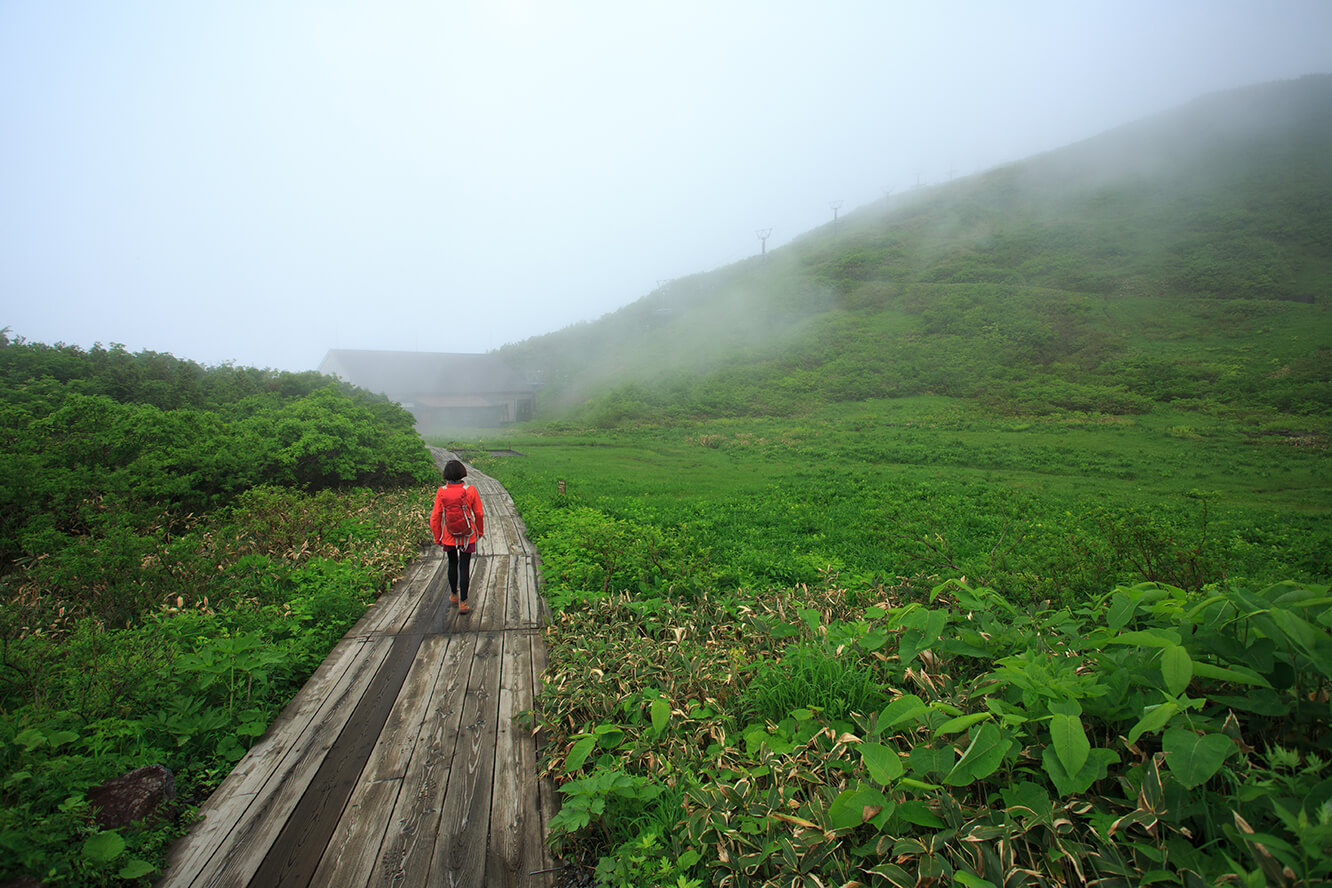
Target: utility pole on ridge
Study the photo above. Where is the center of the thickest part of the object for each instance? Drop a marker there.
(763, 238)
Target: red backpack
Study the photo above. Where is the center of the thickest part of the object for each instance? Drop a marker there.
(458, 520)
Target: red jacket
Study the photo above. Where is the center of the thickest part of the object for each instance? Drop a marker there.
(473, 501)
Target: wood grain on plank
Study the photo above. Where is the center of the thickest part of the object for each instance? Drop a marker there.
(459, 854)
(354, 849)
(414, 823)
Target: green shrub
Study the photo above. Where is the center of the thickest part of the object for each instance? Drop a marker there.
(809, 676)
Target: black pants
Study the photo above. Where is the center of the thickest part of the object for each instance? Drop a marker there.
(460, 569)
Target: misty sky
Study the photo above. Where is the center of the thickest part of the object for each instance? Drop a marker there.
(261, 180)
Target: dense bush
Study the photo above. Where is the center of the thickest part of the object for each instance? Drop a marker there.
(78, 467)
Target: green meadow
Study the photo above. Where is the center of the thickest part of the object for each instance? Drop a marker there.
(921, 488)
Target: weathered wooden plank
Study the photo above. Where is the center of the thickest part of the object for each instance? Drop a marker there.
(547, 796)
(409, 593)
(526, 589)
(491, 617)
(354, 848)
(477, 597)
(496, 538)
(460, 850)
(504, 851)
(295, 854)
(408, 845)
(513, 604)
(535, 859)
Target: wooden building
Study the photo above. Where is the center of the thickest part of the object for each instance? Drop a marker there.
(444, 391)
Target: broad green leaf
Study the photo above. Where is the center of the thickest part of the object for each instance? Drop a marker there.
(252, 729)
(16, 778)
(60, 738)
(812, 618)
(609, 736)
(1027, 800)
(1263, 701)
(1192, 615)
(136, 869)
(1154, 718)
(925, 628)
(926, 760)
(1095, 768)
(755, 737)
(982, 758)
(961, 723)
(1312, 641)
(884, 764)
(1067, 706)
(1297, 629)
(1176, 669)
(1149, 638)
(1121, 610)
(962, 877)
(1194, 758)
(918, 784)
(915, 811)
(908, 706)
(30, 739)
(1069, 742)
(1236, 674)
(579, 752)
(661, 714)
(856, 806)
(1011, 716)
(103, 847)
(874, 639)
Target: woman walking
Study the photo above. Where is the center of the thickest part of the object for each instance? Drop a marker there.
(456, 522)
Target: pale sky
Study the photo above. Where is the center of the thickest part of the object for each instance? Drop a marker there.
(259, 181)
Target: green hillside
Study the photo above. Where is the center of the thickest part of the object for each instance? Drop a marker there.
(1184, 259)
(981, 540)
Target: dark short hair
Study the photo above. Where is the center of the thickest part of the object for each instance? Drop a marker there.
(454, 470)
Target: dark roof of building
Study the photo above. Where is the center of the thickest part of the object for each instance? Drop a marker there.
(397, 373)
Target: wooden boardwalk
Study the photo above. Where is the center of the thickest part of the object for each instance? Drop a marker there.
(400, 763)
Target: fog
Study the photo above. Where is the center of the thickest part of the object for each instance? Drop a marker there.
(262, 182)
